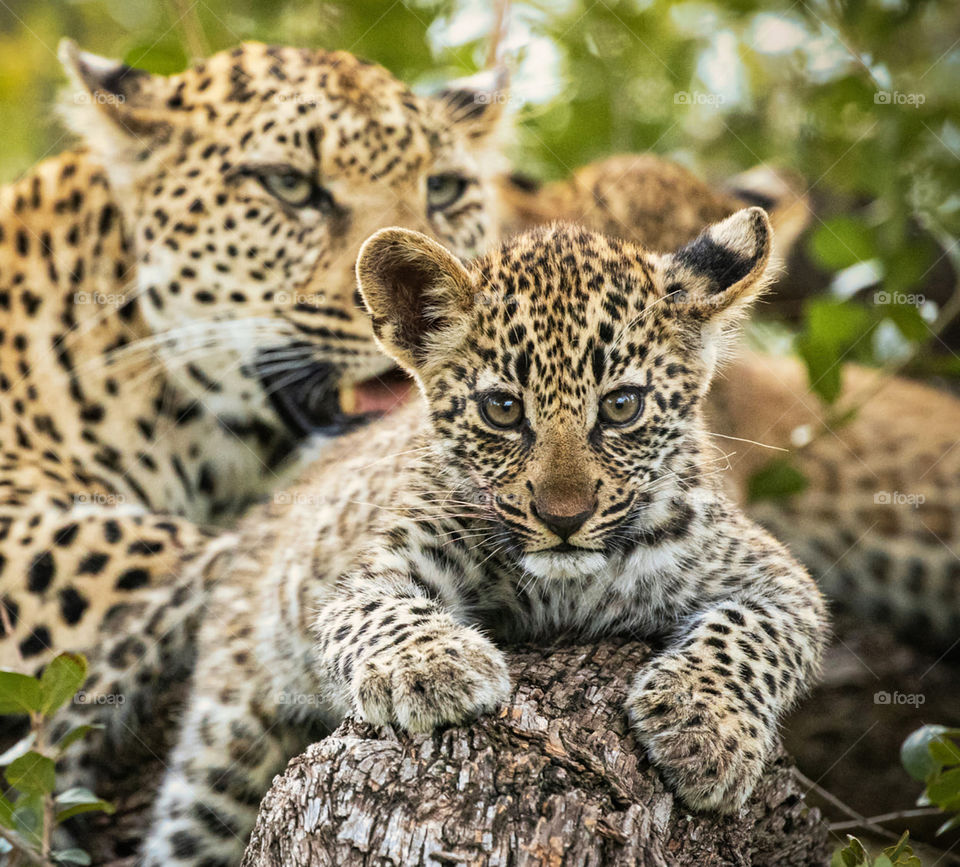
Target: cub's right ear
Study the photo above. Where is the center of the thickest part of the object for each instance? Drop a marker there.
(416, 292)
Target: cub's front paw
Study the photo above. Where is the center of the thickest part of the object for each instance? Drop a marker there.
(431, 679)
(701, 738)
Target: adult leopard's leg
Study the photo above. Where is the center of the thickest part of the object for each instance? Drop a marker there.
(232, 742)
(125, 590)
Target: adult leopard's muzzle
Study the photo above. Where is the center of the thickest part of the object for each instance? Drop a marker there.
(311, 398)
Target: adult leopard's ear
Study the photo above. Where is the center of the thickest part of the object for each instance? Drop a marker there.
(712, 281)
(119, 110)
(476, 105)
(416, 292)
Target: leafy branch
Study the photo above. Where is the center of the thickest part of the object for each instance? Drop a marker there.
(30, 809)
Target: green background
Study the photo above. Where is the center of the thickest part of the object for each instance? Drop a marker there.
(861, 98)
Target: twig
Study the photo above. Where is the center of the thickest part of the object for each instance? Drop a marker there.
(21, 848)
(501, 12)
(860, 821)
(39, 744)
(186, 20)
(886, 817)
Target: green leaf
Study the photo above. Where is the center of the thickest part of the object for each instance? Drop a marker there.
(779, 478)
(6, 813)
(832, 330)
(71, 856)
(19, 693)
(944, 790)
(909, 322)
(899, 855)
(32, 773)
(159, 56)
(824, 368)
(843, 241)
(915, 752)
(851, 855)
(79, 800)
(907, 266)
(18, 749)
(942, 750)
(28, 817)
(75, 734)
(61, 679)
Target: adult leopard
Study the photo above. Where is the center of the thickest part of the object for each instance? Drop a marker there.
(177, 310)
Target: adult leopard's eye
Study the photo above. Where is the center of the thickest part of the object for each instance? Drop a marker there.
(444, 190)
(621, 406)
(501, 410)
(291, 187)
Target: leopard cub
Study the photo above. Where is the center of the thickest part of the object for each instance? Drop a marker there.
(556, 476)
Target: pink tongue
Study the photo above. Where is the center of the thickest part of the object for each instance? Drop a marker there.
(372, 395)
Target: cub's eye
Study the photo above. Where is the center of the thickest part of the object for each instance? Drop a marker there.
(297, 190)
(622, 406)
(501, 410)
(444, 190)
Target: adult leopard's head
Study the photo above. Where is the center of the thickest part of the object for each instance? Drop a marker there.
(247, 185)
(563, 374)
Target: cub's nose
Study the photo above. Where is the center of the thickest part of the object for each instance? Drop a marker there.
(564, 521)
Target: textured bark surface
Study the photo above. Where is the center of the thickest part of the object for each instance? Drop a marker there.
(555, 779)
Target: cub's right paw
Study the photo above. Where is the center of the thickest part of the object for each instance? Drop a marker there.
(431, 679)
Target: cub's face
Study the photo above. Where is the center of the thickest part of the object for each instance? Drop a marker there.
(248, 184)
(563, 373)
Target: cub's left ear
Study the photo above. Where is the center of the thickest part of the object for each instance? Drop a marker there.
(417, 293)
(724, 267)
(712, 281)
(477, 104)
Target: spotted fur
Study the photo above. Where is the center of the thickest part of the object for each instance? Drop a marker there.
(174, 326)
(386, 582)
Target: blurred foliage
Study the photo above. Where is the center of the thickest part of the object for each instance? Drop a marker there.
(932, 754)
(29, 808)
(859, 97)
(855, 855)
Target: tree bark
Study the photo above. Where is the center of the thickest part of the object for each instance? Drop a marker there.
(556, 778)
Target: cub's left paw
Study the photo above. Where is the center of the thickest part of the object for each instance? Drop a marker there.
(708, 750)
